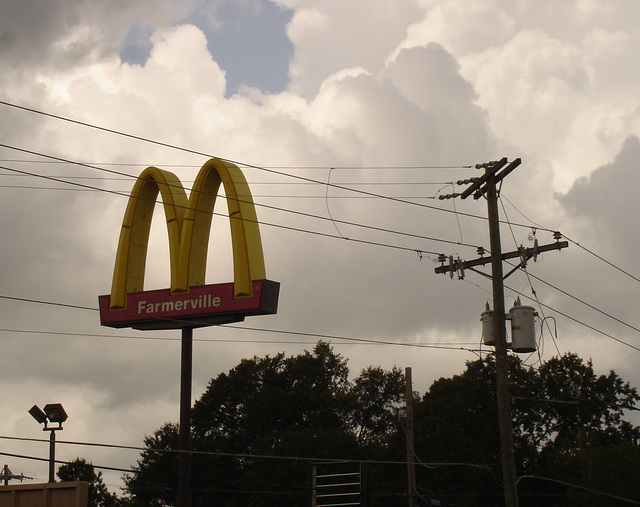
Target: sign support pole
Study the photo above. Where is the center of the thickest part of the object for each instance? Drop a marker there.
(183, 498)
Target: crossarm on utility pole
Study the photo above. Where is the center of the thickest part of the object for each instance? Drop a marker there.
(482, 261)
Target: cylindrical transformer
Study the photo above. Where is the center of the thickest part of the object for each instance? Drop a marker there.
(523, 328)
(488, 335)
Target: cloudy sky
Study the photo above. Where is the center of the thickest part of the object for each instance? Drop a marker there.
(396, 100)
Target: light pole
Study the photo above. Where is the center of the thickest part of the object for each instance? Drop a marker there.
(53, 413)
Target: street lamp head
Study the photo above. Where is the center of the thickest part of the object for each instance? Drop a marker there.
(55, 413)
(38, 414)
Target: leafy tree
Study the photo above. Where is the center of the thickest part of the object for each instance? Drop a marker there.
(566, 419)
(300, 406)
(153, 480)
(568, 429)
(377, 394)
(81, 470)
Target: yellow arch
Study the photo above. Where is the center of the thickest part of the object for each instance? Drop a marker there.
(188, 227)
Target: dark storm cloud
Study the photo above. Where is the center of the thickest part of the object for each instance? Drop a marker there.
(608, 198)
(33, 32)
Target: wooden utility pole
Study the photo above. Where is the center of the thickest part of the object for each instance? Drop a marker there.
(411, 455)
(502, 380)
(487, 185)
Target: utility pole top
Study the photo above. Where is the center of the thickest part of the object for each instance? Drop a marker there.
(490, 177)
(7, 475)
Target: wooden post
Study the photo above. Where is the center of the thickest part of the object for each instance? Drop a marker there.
(502, 382)
(411, 455)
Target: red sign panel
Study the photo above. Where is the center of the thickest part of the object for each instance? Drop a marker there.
(202, 306)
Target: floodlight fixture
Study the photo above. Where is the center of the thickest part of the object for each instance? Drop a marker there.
(38, 414)
(53, 413)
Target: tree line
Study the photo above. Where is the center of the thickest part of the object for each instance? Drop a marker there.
(259, 429)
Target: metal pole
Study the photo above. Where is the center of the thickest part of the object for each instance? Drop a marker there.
(52, 455)
(411, 456)
(502, 385)
(312, 486)
(183, 498)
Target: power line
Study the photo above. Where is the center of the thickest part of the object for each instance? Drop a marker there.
(363, 340)
(599, 257)
(274, 457)
(309, 180)
(317, 167)
(576, 320)
(285, 227)
(195, 152)
(167, 145)
(254, 195)
(347, 339)
(577, 486)
(590, 252)
(537, 226)
(228, 454)
(304, 179)
(297, 333)
(308, 215)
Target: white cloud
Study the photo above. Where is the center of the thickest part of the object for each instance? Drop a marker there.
(406, 85)
(334, 35)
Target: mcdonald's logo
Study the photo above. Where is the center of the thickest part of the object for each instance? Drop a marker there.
(188, 302)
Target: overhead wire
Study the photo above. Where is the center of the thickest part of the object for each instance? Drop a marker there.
(281, 226)
(278, 331)
(200, 153)
(577, 321)
(307, 180)
(370, 194)
(377, 196)
(572, 296)
(578, 486)
(343, 340)
(573, 241)
(310, 180)
(187, 150)
(379, 244)
(289, 486)
(231, 454)
(524, 268)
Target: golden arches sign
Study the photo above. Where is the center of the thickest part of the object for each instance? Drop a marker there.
(188, 227)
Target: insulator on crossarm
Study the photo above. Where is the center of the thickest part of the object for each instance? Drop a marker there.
(557, 236)
(466, 181)
(484, 165)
